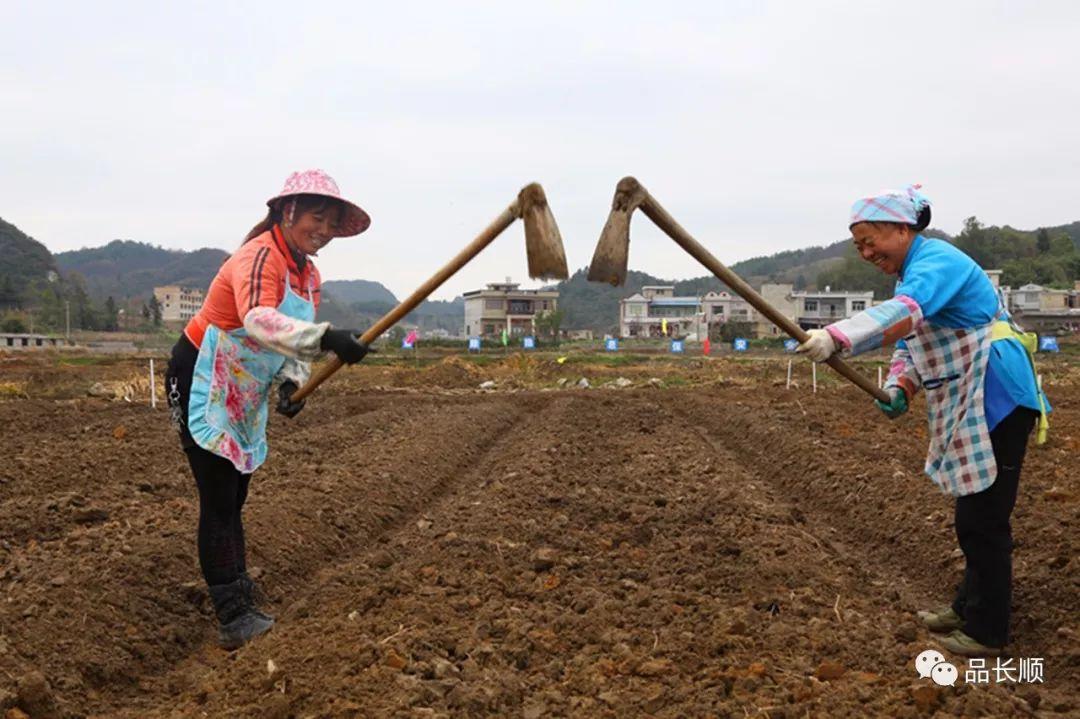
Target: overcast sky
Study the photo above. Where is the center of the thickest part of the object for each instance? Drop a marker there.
(755, 123)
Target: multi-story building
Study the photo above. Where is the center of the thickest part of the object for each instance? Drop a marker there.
(1046, 310)
(643, 314)
(1035, 298)
(783, 298)
(808, 308)
(646, 313)
(721, 307)
(505, 306)
(179, 304)
(817, 308)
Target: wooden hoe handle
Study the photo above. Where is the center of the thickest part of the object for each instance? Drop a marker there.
(655, 212)
(410, 303)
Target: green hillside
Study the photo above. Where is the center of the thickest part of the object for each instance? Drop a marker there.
(431, 314)
(24, 264)
(36, 295)
(350, 291)
(594, 305)
(124, 268)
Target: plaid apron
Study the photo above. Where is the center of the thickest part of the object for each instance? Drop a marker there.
(952, 364)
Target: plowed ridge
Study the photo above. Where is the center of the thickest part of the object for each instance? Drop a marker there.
(602, 553)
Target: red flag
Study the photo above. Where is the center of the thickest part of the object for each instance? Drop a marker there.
(411, 337)
(707, 346)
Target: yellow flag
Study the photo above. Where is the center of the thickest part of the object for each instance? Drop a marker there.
(561, 360)
(663, 326)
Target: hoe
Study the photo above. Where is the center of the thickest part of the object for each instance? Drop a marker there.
(543, 247)
(609, 265)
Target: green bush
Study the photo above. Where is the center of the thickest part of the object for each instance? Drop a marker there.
(13, 325)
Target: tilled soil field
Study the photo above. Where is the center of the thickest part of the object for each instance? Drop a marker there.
(709, 547)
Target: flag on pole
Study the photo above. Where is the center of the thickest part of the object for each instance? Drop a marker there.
(411, 337)
(707, 346)
(663, 326)
(505, 337)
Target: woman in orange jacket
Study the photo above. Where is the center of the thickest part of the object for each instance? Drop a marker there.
(256, 328)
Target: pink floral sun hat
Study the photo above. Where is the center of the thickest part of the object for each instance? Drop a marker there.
(317, 182)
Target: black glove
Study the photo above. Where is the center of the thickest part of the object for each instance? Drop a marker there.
(344, 345)
(284, 405)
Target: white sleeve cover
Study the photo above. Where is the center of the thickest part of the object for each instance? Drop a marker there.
(293, 338)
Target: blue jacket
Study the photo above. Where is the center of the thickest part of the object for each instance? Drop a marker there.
(953, 291)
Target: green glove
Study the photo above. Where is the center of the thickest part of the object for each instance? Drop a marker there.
(897, 405)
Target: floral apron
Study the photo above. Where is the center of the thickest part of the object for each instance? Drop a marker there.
(227, 408)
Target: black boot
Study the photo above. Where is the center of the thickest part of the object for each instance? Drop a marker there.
(237, 623)
(254, 595)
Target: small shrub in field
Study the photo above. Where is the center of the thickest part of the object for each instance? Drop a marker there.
(10, 390)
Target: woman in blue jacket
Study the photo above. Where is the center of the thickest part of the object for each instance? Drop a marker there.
(953, 338)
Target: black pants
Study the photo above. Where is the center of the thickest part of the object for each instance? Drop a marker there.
(985, 534)
(222, 489)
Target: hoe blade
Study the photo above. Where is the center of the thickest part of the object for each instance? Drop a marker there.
(612, 251)
(543, 243)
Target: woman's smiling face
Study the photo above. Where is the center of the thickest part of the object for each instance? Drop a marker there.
(314, 229)
(884, 244)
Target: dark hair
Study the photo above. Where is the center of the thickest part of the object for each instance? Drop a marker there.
(924, 219)
(304, 203)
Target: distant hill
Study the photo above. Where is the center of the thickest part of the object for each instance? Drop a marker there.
(594, 305)
(23, 262)
(431, 314)
(350, 291)
(360, 303)
(1071, 230)
(124, 268)
(1048, 256)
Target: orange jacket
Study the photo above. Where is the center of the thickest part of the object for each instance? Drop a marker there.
(254, 276)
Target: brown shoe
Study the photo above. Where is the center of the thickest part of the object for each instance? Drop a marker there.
(942, 620)
(959, 643)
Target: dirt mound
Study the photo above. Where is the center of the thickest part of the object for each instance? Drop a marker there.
(451, 372)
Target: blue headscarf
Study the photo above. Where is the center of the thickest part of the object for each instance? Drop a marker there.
(903, 206)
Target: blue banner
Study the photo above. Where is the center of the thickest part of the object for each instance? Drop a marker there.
(676, 346)
(1048, 344)
(790, 345)
(528, 343)
(474, 344)
(740, 344)
(611, 345)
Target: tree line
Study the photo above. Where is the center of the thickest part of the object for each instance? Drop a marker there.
(56, 302)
